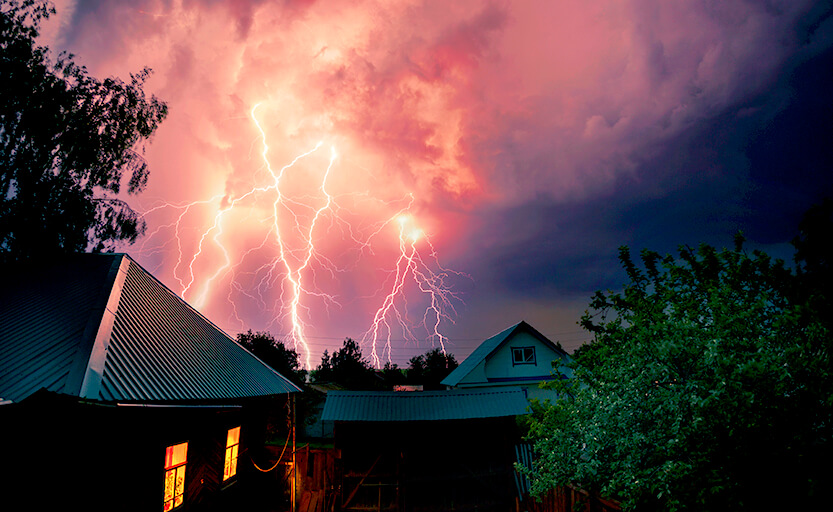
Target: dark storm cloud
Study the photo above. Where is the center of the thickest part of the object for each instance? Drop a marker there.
(756, 168)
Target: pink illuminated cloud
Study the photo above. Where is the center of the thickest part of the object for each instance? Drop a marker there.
(443, 109)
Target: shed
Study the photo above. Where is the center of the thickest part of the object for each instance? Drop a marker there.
(432, 450)
(119, 395)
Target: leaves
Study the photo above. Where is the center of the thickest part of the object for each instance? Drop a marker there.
(707, 376)
(431, 368)
(347, 367)
(67, 140)
(274, 353)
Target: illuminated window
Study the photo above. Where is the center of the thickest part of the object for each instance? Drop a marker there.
(232, 442)
(175, 458)
(523, 355)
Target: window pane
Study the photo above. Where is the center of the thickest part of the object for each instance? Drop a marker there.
(227, 465)
(170, 477)
(180, 483)
(233, 436)
(176, 455)
(233, 460)
(516, 355)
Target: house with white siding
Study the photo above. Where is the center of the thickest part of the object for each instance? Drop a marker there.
(519, 356)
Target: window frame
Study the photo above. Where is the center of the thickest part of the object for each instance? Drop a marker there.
(522, 360)
(231, 455)
(175, 469)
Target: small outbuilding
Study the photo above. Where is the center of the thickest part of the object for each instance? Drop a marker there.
(425, 451)
(118, 395)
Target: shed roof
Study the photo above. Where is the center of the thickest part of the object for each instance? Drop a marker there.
(98, 326)
(486, 349)
(386, 406)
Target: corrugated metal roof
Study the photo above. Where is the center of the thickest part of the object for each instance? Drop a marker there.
(41, 331)
(454, 404)
(488, 347)
(100, 327)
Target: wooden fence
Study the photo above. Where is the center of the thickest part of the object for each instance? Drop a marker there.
(568, 499)
(560, 499)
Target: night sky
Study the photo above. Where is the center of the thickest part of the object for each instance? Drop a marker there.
(513, 146)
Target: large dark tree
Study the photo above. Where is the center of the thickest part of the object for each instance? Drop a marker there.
(348, 368)
(431, 368)
(274, 353)
(68, 141)
(708, 386)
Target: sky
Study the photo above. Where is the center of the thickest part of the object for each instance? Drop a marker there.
(419, 174)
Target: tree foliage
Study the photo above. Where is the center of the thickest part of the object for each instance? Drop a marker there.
(67, 142)
(814, 258)
(348, 368)
(431, 368)
(708, 386)
(274, 353)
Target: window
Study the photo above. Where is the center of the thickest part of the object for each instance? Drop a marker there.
(175, 458)
(232, 443)
(523, 355)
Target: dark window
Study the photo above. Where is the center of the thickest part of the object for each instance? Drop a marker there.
(523, 355)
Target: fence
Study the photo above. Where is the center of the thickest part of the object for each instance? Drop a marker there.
(560, 499)
(568, 499)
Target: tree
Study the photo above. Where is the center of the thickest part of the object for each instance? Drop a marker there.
(707, 386)
(814, 258)
(391, 376)
(347, 368)
(274, 353)
(431, 368)
(67, 141)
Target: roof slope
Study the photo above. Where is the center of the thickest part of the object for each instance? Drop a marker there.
(489, 347)
(41, 330)
(98, 326)
(454, 404)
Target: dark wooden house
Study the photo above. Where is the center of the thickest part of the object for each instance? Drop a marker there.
(117, 395)
(425, 451)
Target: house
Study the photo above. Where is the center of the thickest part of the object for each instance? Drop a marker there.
(118, 395)
(518, 356)
(425, 450)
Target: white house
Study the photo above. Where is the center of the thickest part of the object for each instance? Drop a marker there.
(518, 356)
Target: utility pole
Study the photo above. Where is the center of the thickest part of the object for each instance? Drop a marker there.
(294, 467)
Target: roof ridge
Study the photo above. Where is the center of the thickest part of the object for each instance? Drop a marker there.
(89, 358)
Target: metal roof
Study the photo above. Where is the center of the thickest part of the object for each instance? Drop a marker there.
(98, 326)
(41, 330)
(489, 346)
(385, 406)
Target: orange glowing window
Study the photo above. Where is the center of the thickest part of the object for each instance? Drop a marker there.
(232, 443)
(175, 458)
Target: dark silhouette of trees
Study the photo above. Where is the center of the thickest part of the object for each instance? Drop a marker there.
(67, 142)
(347, 368)
(392, 375)
(430, 369)
(707, 386)
(274, 353)
(814, 259)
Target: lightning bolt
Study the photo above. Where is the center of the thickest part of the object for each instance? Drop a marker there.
(429, 277)
(293, 224)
